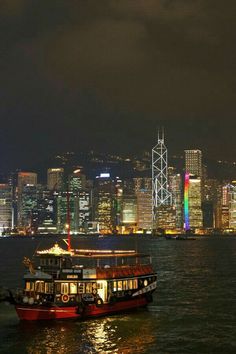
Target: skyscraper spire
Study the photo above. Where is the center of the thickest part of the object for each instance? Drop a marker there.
(160, 194)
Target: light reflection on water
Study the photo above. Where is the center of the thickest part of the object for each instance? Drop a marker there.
(129, 333)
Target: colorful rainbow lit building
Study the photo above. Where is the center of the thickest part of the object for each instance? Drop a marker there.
(186, 202)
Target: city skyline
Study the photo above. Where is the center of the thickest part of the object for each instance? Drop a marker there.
(104, 76)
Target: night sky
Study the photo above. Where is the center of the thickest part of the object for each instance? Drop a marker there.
(104, 74)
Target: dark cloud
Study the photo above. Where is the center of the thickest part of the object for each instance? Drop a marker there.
(116, 69)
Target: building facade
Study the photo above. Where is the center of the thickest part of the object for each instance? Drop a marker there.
(6, 210)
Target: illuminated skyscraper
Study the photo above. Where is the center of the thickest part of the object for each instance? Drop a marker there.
(77, 180)
(129, 211)
(175, 185)
(104, 195)
(193, 199)
(28, 205)
(232, 206)
(84, 210)
(55, 178)
(63, 205)
(193, 162)
(160, 193)
(144, 209)
(5, 207)
(24, 179)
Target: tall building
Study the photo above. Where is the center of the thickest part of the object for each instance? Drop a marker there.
(85, 212)
(210, 202)
(193, 162)
(129, 211)
(6, 216)
(104, 195)
(232, 206)
(55, 178)
(176, 189)
(193, 198)
(144, 209)
(77, 180)
(67, 203)
(193, 168)
(166, 217)
(45, 217)
(161, 195)
(28, 205)
(24, 179)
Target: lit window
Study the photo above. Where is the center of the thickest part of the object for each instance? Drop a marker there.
(64, 288)
(73, 288)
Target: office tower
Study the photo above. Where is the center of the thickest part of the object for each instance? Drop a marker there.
(210, 202)
(55, 179)
(6, 215)
(85, 214)
(192, 202)
(175, 186)
(24, 179)
(104, 192)
(222, 211)
(45, 217)
(67, 202)
(144, 209)
(160, 192)
(193, 168)
(28, 205)
(232, 206)
(129, 212)
(77, 180)
(142, 183)
(118, 197)
(193, 162)
(166, 217)
(143, 196)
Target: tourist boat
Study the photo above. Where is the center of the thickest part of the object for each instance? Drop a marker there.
(79, 283)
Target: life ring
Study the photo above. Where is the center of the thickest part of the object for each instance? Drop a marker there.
(65, 298)
(99, 302)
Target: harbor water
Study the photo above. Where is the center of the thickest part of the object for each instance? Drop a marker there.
(193, 309)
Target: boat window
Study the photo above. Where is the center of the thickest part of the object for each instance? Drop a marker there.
(125, 285)
(114, 286)
(64, 288)
(99, 285)
(135, 283)
(29, 286)
(73, 288)
(130, 284)
(39, 286)
(58, 288)
(81, 288)
(119, 285)
(49, 288)
(89, 288)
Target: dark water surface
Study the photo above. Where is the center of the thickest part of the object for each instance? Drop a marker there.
(194, 308)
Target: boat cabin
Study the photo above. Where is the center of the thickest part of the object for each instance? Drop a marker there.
(88, 276)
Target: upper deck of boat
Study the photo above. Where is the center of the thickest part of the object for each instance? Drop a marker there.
(57, 251)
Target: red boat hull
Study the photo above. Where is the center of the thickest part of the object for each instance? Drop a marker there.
(33, 313)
